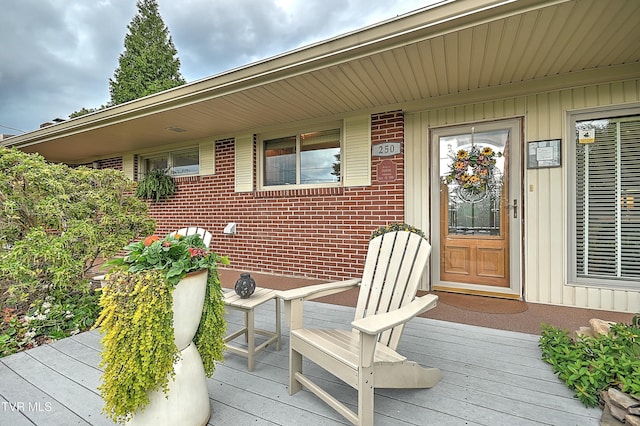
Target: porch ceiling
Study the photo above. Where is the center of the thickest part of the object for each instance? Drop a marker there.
(457, 48)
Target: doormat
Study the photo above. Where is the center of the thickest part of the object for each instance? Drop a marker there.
(489, 305)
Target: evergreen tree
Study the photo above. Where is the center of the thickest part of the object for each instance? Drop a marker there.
(85, 111)
(149, 63)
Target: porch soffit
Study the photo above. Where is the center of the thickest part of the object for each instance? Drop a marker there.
(429, 55)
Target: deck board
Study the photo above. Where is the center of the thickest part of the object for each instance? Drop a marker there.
(490, 377)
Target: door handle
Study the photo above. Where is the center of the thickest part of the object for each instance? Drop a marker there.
(515, 208)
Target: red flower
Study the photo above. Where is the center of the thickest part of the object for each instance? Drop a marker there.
(150, 240)
(197, 252)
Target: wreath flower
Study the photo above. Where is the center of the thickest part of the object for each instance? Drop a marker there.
(472, 169)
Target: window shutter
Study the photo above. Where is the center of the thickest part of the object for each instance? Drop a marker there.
(244, 163)
(357, 151)
(207, 158)
(128, 165)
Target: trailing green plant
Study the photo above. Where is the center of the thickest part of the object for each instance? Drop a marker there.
(138, 345)
(209, 338)
(589, 365)
(157, 184)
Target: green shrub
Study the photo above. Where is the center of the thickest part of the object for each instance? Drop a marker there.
(56, 223)
(589, 365)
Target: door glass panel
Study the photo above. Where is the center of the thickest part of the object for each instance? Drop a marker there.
(472, 167)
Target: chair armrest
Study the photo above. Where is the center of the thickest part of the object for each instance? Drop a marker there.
(319, 290)
(376, 324)
(294, 299)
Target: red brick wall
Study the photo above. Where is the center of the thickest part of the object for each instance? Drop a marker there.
(319, 233)
(111, 163)
(106, 163)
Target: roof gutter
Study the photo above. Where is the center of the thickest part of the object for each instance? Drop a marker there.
(417, 26)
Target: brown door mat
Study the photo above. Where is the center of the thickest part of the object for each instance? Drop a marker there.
(485, 304)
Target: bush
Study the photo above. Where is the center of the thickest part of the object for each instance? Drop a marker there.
(56, 224)
(589, 365)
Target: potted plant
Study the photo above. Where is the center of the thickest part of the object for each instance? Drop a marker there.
(396, 226)
(156, 185)
(164, 328)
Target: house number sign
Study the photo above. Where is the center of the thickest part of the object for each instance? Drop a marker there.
(386, 149)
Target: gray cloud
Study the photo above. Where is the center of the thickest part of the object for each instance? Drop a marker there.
(57, 56)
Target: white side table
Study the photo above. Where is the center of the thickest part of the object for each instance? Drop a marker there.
(260, 296)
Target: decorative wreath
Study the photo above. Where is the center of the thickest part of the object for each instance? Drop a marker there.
(473, 169)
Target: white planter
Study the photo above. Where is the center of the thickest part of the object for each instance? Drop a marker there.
(188, 301)
(188, 400)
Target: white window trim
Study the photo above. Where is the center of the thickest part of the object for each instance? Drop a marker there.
(572, 118)
(297, 132)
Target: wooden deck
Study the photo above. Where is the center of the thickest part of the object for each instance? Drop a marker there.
(491, 377)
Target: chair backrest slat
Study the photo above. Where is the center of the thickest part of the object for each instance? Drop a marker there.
(192, 230)
(393, 268)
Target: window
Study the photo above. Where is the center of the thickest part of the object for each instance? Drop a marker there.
(607, 200)
(179, 163)
(303, 159)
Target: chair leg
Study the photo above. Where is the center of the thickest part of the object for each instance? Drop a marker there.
(366, 392)
(295, 366)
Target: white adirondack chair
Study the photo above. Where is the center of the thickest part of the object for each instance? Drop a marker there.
(191, 230)
(365, 357)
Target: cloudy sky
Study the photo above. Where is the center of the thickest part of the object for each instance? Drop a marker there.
(56, 56)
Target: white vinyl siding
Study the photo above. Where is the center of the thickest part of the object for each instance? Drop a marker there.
(545, 191)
